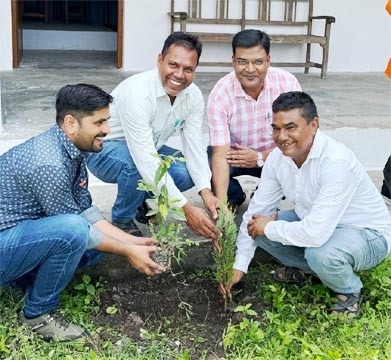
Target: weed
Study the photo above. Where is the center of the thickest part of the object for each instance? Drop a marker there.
(82, 300)
(295, 324)
(187, 308)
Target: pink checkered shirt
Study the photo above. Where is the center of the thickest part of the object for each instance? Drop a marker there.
(235, 117)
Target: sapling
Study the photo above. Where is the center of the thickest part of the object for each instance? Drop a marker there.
(225, 256)
(168, 235)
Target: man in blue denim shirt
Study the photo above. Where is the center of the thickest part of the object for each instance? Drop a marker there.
(48, 226)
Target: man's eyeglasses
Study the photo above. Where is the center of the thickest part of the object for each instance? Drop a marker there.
(245, 62)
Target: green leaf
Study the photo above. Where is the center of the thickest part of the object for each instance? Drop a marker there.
(151, 212)
(161, 170)
(90, 289)
(79, 287)
(251, 312)
(111, 310)
(176, 214)
(164, 191)
(93, 355)
(163, 210)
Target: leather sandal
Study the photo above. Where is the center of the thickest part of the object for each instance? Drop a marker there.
(348, 305)
(290, 275)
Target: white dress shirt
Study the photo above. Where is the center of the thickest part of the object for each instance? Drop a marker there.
(330, 188)
(142, 114)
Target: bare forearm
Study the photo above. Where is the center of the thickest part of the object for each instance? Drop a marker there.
(220, 177)
(106, 228)
(113, 246)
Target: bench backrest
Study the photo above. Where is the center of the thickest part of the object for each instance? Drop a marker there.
(246, 12)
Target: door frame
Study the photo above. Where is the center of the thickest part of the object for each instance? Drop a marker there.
(17, 33)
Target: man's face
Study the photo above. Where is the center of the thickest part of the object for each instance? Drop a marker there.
(292, 135)
(90, 130)
(177, 69)
(251, 66)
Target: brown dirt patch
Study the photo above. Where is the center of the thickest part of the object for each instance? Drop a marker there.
(186, 307)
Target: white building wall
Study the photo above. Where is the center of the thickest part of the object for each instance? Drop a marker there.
(358, 37)
(5, 36)
(146, 26)
(361, 35)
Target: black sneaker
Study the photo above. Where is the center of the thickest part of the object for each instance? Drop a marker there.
(141, 215)
(53, 326)
(129, 227)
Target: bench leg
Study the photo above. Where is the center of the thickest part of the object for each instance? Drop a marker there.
(325, 47)
(307, 58)
(323, 72)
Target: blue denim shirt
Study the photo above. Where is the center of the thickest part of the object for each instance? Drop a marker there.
(46, 176)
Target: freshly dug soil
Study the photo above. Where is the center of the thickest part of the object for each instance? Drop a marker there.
(186, 307)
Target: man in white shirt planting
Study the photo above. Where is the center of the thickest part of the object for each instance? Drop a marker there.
(339, 224)
(148, 109)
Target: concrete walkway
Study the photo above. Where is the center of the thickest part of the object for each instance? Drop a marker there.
(353, 108)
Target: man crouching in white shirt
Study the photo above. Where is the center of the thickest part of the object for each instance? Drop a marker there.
(339, 224)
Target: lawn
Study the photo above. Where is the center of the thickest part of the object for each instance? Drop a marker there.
(182, 316)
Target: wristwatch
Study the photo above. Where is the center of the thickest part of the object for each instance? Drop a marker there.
(260, 160)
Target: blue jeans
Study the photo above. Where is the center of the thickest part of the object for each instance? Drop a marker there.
(114, 164)
(235, 193)
(42, 256)
(349, 249)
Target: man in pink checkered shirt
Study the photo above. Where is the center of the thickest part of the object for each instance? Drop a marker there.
(240, 114)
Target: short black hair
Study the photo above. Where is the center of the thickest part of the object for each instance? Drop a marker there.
(250, 38)
(186, 40)
(296, 100)
(80, 100)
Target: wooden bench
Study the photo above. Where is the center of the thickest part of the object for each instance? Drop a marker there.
(265, 15)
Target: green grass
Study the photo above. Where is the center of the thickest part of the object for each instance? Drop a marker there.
(78, 302)
(294, 325)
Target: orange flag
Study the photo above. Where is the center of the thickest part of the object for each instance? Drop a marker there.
(388, 7)
(388, 70)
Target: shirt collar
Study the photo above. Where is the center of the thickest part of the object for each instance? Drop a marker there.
(315, 151)
(64, 140)
(317, 146)
(161, 92)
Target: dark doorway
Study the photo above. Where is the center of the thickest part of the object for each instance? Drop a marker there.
(96, 17)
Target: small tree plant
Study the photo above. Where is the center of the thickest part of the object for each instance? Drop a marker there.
(225, 256)
(171, 243)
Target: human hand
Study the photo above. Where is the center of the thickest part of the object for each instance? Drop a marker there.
(199, 221)
(237, 277)
(256, 226)
(242, 156)
(139, 256)
(211, 202)
(136, 240)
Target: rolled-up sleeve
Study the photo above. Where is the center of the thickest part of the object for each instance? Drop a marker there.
(93, 215)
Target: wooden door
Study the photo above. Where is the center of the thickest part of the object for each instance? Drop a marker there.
(17, 32)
